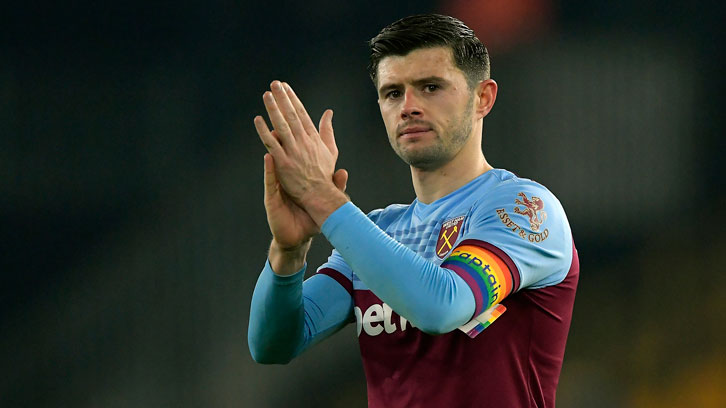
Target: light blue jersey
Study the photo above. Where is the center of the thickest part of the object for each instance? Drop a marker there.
(494, 258)
(516, 225)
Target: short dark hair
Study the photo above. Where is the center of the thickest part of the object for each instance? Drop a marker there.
(427, 31)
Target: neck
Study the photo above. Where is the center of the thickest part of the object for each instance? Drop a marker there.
(430, 185)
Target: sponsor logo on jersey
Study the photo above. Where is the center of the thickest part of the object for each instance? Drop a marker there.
(378, 318)
(450, 230)
(534, 211)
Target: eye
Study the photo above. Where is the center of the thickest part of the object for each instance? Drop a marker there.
(393, 94)
(431, 87)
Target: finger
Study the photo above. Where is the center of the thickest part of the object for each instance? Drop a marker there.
(326, 131)
(287, 110)
(340, 179)
(302, 113)
(269, 139)
(279, 123)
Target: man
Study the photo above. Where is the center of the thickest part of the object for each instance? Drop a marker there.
(462, 298)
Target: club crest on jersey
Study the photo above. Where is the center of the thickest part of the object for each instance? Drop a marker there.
(450, 230)
(533, 209)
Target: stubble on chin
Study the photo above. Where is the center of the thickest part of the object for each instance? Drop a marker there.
(427, 158)
(437, 153)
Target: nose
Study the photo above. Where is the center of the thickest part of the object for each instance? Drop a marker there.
(411, 106)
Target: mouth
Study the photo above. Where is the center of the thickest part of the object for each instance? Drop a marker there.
(414, 131)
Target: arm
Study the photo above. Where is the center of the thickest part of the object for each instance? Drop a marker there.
(287, 316)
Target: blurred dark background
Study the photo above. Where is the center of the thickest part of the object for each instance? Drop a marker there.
(132, 228)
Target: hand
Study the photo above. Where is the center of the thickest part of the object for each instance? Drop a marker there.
(304, 158)
(290, 225)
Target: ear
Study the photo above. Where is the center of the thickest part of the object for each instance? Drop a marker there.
(486, 94)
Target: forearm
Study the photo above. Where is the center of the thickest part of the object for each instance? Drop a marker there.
(288, 315)
(434, 299)
(276, 328)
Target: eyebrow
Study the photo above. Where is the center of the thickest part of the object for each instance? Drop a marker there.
(417, 82)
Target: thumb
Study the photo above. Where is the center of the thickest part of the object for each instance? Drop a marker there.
(340, 179)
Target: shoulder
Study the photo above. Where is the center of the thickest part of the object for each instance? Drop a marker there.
(518, 194)
(526, 221)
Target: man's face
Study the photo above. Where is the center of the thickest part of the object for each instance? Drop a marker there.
(426, 105)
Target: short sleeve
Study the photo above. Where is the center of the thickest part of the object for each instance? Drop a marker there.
(524, 225)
